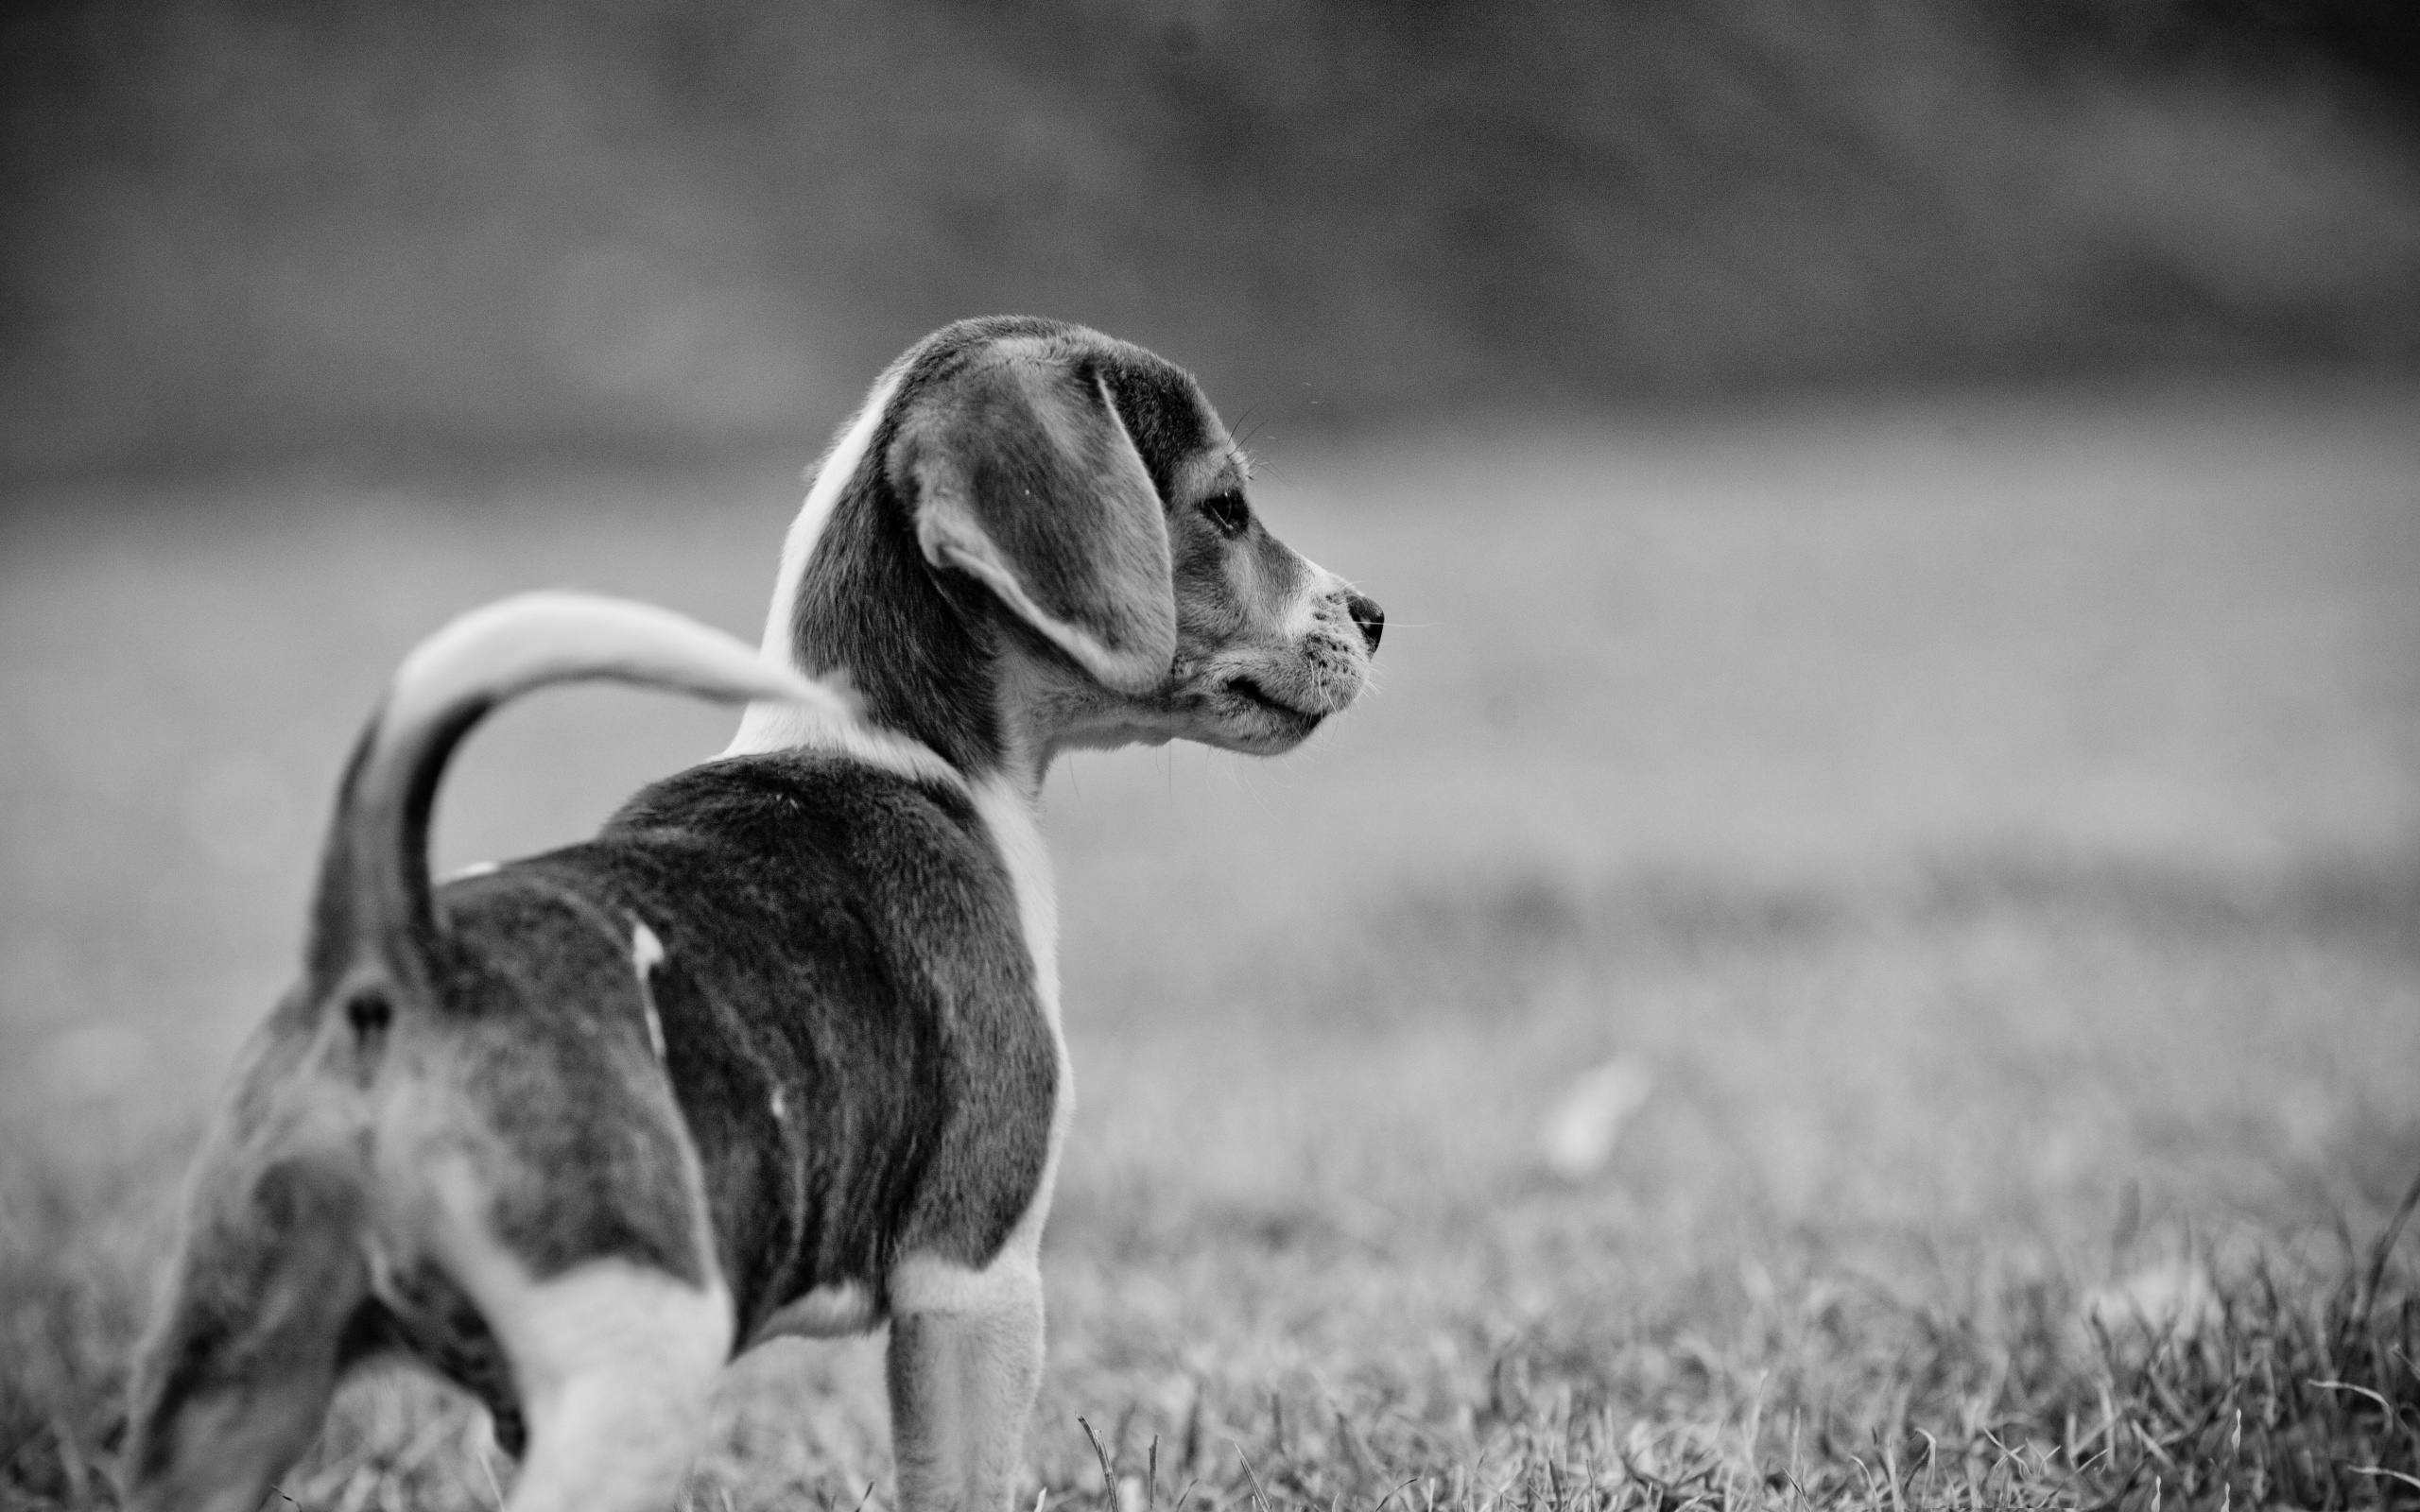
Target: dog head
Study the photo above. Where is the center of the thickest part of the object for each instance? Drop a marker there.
(1036, 538)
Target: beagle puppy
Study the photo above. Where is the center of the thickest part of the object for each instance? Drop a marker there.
(778, 1050)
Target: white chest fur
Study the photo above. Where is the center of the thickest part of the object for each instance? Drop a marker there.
(1009, 814)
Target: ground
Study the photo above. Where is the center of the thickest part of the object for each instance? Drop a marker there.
(1980, 833)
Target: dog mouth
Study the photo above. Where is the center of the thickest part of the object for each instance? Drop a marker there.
(1253, 694)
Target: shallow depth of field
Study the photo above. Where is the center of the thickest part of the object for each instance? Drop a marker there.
(1964, 857)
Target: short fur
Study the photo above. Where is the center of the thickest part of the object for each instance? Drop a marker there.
(778, 1050)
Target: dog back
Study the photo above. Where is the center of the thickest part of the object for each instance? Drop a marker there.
(825, 959)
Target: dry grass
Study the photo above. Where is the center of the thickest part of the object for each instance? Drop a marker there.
(1995, 830)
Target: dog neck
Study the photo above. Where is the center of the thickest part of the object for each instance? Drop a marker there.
(857, 600)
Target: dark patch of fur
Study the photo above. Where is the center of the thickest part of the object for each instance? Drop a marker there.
(842, 937)
(579, 1146)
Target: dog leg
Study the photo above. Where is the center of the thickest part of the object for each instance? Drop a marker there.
(965, 1359)
(234, 1386)
(614, 1363)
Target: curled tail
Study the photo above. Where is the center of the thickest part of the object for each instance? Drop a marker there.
(373, 917)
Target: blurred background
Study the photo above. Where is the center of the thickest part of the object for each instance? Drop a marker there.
(248, 232)
(1890, 810)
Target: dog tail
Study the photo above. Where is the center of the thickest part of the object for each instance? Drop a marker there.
(375, 915)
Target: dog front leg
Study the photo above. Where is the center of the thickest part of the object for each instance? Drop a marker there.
(962, 1371)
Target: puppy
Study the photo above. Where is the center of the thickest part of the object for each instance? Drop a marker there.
(779, 1050)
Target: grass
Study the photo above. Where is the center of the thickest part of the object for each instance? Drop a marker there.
(1991, 830)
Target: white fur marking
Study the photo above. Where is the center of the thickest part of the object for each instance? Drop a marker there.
(780, 1104)
(770, 726)
(477, 869)
(613, 1361)
(832, 476)
(647, 954)
(921, 1283)
(777, 727)
(1010, 816)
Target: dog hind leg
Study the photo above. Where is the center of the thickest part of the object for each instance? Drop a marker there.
(233, 1383)
(963, 1366)
(614, 1363)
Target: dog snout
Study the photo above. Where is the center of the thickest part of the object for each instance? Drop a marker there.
(1369, 617)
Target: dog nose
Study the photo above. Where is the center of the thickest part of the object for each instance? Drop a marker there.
(1369, 616)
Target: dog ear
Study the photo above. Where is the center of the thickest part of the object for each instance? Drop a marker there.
(1026, 481)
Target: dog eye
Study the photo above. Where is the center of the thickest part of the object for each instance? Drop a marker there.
(1228, 511)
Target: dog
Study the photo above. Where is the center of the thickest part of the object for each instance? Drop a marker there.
(777, 1052)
